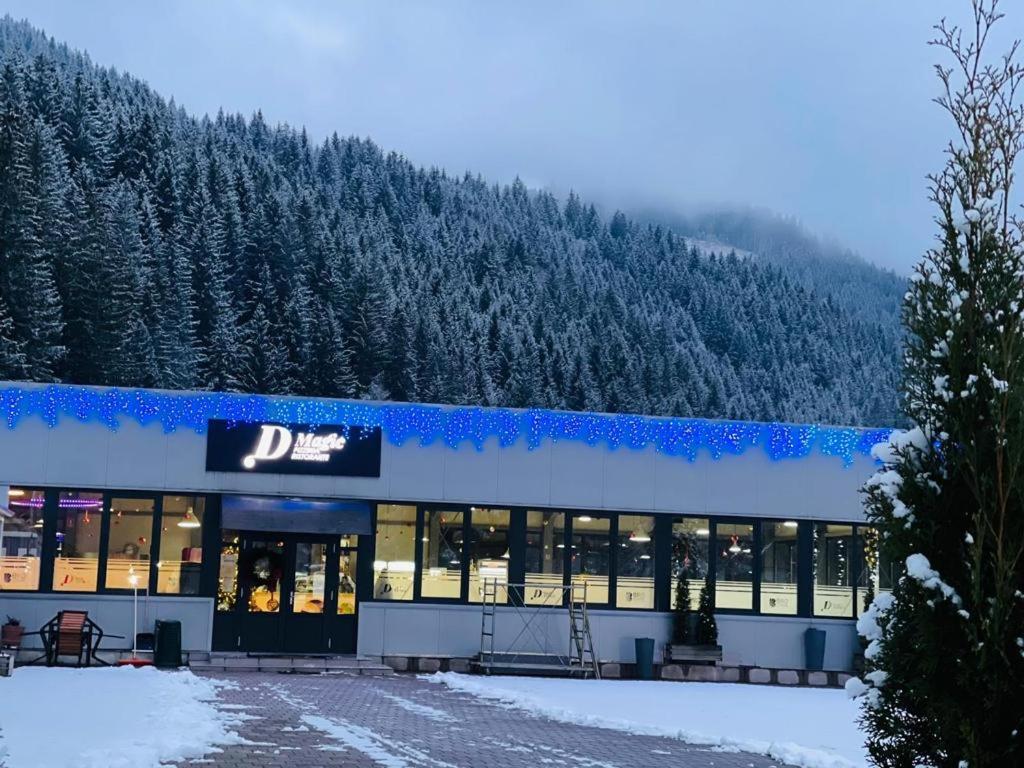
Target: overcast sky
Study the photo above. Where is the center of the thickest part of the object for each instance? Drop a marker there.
(818, 110)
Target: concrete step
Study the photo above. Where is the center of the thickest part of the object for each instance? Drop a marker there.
(242, 662)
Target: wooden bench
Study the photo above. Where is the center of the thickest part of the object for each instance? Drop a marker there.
(693, 654)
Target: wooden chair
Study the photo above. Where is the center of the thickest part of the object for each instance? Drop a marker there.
(71, 633)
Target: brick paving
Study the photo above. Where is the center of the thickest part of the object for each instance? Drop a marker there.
(323, 721)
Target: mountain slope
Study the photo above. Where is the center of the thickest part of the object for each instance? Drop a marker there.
(140, 246)
(861, 289)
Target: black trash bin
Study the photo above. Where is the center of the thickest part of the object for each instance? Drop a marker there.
(644, 658)
(814, 649)
(167, 650)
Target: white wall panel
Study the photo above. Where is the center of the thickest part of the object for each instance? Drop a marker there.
(472, 475)
(629, 479)
(576, 475)
(415, 472)
(137, 456)
(680, 486)
(524, 476)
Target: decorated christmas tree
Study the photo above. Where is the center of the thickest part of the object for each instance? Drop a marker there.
(945, 669)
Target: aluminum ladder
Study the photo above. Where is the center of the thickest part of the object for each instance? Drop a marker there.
(581, 641)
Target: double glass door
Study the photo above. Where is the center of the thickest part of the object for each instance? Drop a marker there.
(295, 593)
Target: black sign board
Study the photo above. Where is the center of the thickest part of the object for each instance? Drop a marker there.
(292, 449)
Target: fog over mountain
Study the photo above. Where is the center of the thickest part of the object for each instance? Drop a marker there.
(143, 246)
(812, 109)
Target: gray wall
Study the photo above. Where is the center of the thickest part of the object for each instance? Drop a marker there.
(114, 615)
(454, 630)
(564, 474)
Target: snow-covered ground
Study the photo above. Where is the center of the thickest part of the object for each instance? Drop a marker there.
(808, 727)
(108, 718)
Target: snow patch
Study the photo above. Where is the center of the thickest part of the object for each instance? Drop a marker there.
(811, 728)
(415, 708)
(144, 717)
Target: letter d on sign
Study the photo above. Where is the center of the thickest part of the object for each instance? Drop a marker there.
(266, 448)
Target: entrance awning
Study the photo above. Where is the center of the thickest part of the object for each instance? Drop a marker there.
(295, 515)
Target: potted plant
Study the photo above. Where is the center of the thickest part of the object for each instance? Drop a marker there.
(11, 632)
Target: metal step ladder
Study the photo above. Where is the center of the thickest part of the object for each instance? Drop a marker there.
(581, 640)
(490, 608)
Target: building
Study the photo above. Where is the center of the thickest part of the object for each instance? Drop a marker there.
(303, 525)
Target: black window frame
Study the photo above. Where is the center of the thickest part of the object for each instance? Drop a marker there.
(48, 538)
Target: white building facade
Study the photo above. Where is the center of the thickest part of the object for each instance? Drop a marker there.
(300, 525)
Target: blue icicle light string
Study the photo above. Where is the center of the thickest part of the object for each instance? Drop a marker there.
(454, 426)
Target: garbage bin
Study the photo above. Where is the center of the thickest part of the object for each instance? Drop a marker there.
(167, 650)
(814, 649)
(644, 658)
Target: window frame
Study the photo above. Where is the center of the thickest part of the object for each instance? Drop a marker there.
(755, 571)
(854, 570)
(48, 537)
(759, 565)
(158, 528)
(51, 513)
(154, 542)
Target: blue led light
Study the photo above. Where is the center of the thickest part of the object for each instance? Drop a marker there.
(453, 426)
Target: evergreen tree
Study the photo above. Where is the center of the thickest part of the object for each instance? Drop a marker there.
(707, 627)
(945, 661)
(12, 358)
(682, 611)
(365, 276)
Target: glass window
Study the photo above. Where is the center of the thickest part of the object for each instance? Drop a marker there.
(77, 564)
(545, 557)
(734, 574)
(833, 559)
(875, 572)
(441, 575)
(227, 581)
(260, 571)
(310, 577)
(589, 556)
(181, 545)
(21, 540)
(634, 580)
(131, 526)
(395, 560)
(488, 551)
(347, 581)
(779, 567)
(691, 537)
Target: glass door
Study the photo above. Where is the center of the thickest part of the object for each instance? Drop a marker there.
(312, 582)
(262, 576)
(342, 625)
(293, 593)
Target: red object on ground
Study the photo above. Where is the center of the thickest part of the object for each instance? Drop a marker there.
(134, 663)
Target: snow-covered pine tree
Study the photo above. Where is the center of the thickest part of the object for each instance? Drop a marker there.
(945, 669)
(12, 357)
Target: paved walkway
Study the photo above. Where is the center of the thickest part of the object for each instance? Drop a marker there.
(321, 721)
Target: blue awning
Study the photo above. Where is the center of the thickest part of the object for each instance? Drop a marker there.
(293, 514)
